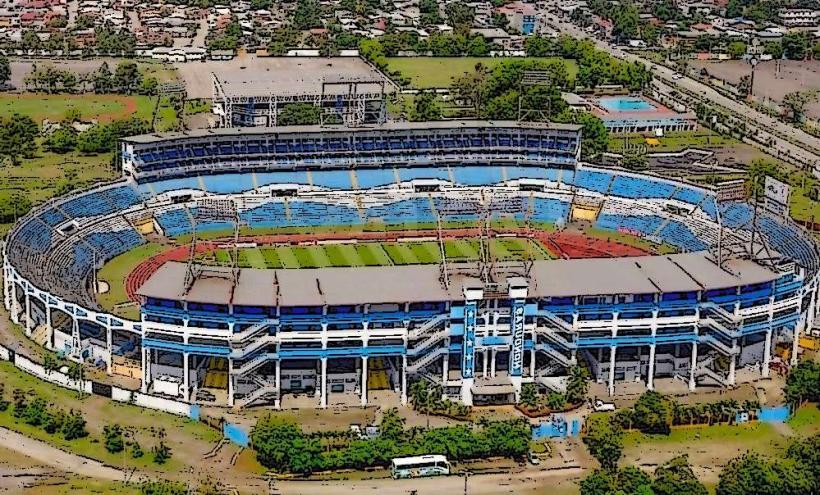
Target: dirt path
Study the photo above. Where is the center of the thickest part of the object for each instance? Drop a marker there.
(52, 456)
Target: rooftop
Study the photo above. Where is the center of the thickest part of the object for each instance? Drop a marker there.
(388, 126)
(420, 283)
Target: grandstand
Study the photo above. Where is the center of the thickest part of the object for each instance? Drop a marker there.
(479, 329)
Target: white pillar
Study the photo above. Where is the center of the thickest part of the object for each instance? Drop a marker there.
(445, 371)
(145, 357)
(796, 340)
(492, 363)
(767, 353)
(364, 381)
(28, 315)
(404, 379)
(186, 379)
(532, 360)
(650, 376)
(231, 400)
(693, 365)
(50, 328)
(277, 402)
(484, 360)
(323, 385)
(467, 391)
(612, 352)
(109, 347)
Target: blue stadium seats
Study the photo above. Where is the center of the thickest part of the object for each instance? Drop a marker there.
(640, 224)
(53, 217)
(228, 183)
(174, 222)
(679, 235)
(101, 202)
(736, 214)
(591, 180)
(687, 195)
(369, 178)
(549, 210)
(635, 188)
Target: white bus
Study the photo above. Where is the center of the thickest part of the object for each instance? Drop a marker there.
(418, 466)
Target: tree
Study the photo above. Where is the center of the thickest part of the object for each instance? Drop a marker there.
(600, 482)
(652, 413)
(604, 440)
(102, 79)
(594, 139)
(425, 107)
(773, 48)
(577, 384)
(736, 49)
(113, 438)
(529, 395)
(161, 452)
(163, 488)
(795, 45)
(5, 70)
(803, 383)
(459, 15)
(281, 445)
(307, 15)
(17, 137)
(635, 160)
(74, 426)
(299, 114)
(62, 140)
(625, 21)
(795, 103)
(677, 478)
(127, 77)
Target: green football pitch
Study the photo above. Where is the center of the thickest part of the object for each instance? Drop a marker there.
(376, 253)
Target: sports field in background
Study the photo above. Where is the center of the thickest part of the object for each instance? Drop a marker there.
(439, 72)
(376, 253)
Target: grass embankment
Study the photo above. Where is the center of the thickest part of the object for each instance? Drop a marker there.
(188, 439)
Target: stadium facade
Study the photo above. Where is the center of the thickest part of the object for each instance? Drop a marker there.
(245, 336)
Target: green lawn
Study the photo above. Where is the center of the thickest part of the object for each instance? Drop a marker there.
(439, 72)
(806, 421)
(103, 108)
(114, 273)
(373, 253)
(673, 141)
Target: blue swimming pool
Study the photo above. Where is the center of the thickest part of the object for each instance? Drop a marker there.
(625, 104)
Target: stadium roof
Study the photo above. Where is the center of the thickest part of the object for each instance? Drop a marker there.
(420, 283)
(387, 126)
(285, 76)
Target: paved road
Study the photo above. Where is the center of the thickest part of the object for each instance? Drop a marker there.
(787, 140)
(52, 456)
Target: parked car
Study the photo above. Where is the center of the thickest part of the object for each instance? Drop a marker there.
(601, 406)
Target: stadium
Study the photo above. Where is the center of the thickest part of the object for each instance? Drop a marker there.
(331, 261)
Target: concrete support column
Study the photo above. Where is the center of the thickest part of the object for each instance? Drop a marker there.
(404, 379)
(323, 385)
(28, 315)
(767, 354)
(364, 381)
(445, 366)
(612, 352)
(796, 340)
(231, 400)
(50, 328)
(650, 376)
(277, 402)
(15, 305)
(186, 374)
(492, 363)
(693, 365)
(145, 357)
(109, 349)
(484, 360)
(532, 361)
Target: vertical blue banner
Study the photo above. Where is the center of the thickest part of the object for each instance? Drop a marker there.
(517, 331)
(468, 349)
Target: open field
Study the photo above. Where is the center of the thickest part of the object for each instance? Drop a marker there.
(103, 108)
(20, 68)
(188, 440)
(377, 253)
(439, 72)
(770, 84)
(674, 141)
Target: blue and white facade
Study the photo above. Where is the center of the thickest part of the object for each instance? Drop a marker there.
(327, 331)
